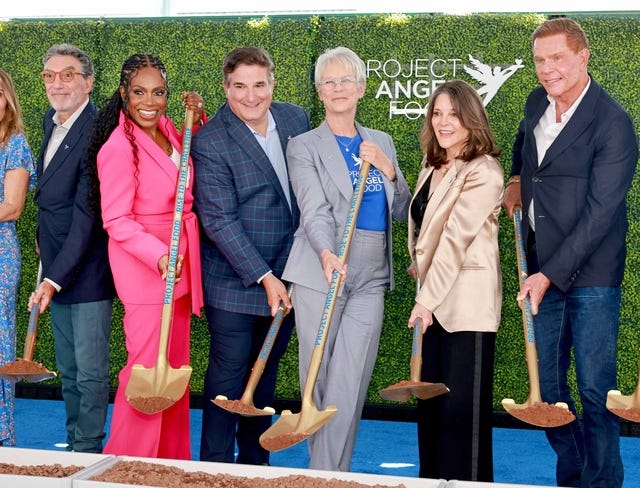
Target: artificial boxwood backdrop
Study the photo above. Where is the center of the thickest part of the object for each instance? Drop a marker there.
(405, 55)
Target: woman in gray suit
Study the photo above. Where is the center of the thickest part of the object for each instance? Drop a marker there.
(323, 167)
(453, 242)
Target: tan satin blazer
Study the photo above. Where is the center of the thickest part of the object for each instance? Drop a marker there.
(456, 253)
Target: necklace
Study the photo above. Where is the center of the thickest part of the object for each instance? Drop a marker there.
(347, 146)
(164, 143)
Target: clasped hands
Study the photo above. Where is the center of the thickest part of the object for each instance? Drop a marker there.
(163, 266)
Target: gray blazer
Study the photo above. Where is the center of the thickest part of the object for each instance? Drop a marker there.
(323, 189)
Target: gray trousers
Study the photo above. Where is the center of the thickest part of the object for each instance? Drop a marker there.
(351, 347)
(81, 336)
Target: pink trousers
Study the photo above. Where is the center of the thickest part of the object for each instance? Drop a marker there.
(164, 434)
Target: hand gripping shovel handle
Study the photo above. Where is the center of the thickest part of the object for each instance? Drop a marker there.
(176, 227)
(265, 351)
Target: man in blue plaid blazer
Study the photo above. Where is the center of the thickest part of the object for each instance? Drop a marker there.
(248, 216)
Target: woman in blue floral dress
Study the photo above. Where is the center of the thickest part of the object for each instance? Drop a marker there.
(17, 176)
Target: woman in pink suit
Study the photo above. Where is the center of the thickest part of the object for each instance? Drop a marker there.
(136, 151)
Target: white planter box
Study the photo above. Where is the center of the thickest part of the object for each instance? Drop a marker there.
(32, 457)
(252, 472)
(477, 484)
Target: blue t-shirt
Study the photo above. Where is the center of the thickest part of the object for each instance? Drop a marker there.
(373, 209)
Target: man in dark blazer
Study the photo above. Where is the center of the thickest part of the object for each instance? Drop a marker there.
(248, 216)
(77, 283)
(573, 162)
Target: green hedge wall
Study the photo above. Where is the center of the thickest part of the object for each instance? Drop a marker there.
(193, 50)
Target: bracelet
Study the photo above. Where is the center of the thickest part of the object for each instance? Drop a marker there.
(513, 179)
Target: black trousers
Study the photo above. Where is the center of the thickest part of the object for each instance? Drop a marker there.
(236, 340)
(455, 429)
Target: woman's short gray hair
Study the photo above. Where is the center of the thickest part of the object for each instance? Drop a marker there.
(344, 56)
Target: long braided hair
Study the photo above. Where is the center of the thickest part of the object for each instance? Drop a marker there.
(109, 116)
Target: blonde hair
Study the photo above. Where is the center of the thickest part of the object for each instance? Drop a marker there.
(11, 122)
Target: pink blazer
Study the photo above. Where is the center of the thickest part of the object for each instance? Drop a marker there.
(137, 211)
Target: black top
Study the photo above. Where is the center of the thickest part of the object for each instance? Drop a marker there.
(419, 204)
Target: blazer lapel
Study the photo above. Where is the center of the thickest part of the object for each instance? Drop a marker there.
(331, 157)
(154, 151)
(532, 121)
(67, 146)
(245, 139)
(582, 117)
(48, 130)
(438, 194)
(285, 134)
(389, 188)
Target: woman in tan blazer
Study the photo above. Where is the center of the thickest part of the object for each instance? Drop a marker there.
(453, 243)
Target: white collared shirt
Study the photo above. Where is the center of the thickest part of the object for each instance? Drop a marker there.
(271, 146)
(59, 132)
(547, 130)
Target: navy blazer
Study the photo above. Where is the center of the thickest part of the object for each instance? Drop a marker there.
(579, 189)
(72, 242)
(246, 225)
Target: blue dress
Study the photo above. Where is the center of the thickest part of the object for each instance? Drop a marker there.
(15, 154)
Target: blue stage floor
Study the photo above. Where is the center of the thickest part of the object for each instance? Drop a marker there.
(520, 455)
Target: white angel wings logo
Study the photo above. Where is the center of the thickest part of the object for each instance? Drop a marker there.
(491, 78)
(409, 85)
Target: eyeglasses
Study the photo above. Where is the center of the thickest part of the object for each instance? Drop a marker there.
(66, 75)
(333, 83)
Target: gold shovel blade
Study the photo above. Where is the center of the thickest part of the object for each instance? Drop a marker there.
(424, 391)
(404, 390)
(22, 369)
(396, 393)
(241, 408)
(292, 428)
(151, 390)
(28, 377)
(540, 414)
(624, 406)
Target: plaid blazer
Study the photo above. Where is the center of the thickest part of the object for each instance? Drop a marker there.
(246, 225)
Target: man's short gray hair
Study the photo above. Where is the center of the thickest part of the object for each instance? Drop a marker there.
(70, 50)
